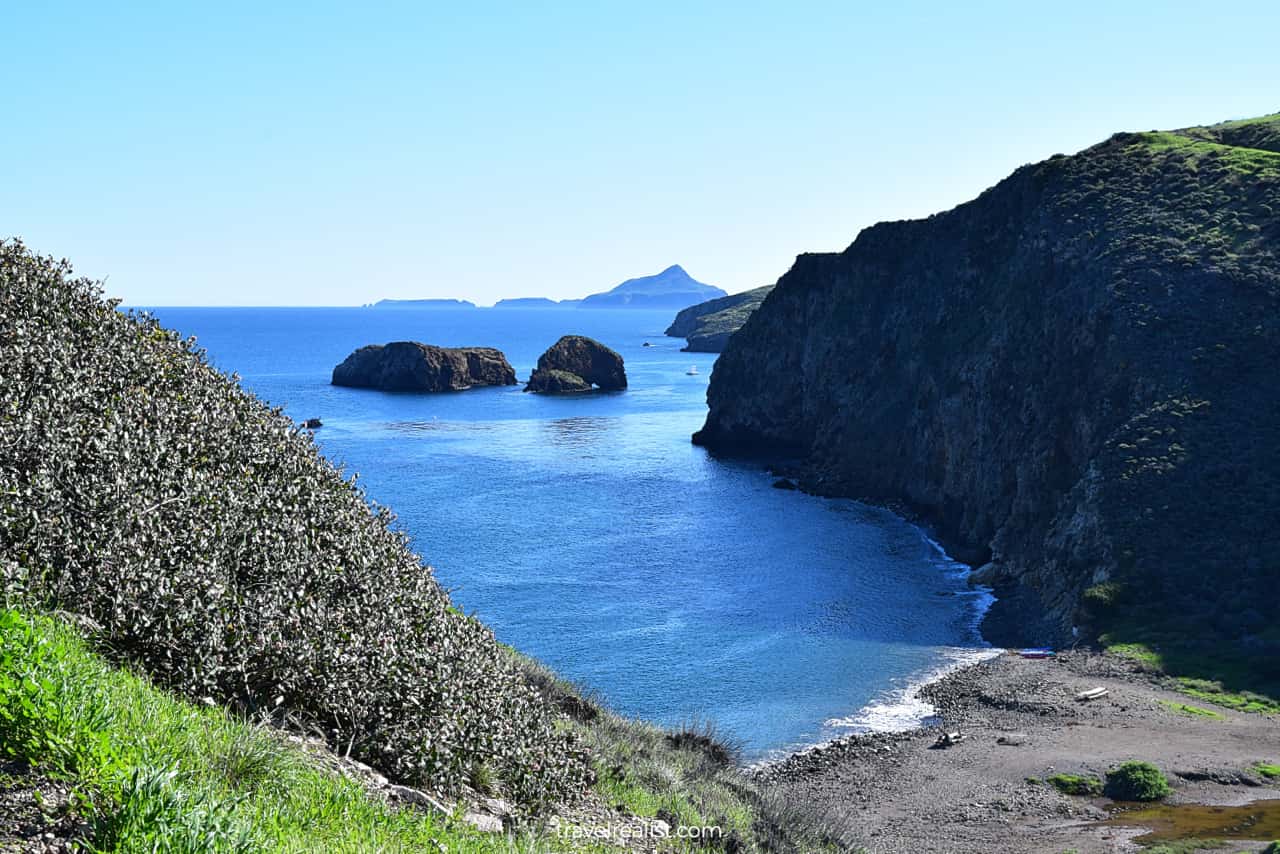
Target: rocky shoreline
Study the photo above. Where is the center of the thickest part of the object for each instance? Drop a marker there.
(897, 791)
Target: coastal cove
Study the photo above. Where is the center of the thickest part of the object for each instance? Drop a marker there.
(589, 532)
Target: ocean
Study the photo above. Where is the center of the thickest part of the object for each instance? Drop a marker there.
(588, 532)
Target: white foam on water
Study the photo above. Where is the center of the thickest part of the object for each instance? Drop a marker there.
(901, 709)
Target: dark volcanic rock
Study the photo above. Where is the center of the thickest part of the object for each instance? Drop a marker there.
(557, 382)
(591, 361)
(410, 366)
(1072, 376)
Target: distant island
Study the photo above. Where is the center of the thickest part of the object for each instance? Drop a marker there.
(673, 288)
(531, 302)
(423, 303)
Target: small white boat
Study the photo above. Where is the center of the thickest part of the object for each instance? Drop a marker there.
(693, 371)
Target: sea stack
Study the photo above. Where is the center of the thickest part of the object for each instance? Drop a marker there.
(576, 363)
(411, 366)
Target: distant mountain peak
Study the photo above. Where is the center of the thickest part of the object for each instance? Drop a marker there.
(672, 288)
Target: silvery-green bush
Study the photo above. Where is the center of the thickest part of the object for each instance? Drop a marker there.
(216, 549)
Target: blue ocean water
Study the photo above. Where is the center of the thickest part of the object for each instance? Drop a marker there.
(589, 532)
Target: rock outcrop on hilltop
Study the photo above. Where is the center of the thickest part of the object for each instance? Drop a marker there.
(1072, 378)
(575, 363)
(410, 366)
(708, 325)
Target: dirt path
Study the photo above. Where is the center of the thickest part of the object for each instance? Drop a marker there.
(894, 793)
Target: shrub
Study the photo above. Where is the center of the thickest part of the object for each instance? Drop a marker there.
(214, 547)
(1136, 781)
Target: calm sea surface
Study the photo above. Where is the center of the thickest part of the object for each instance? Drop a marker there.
(589, 532)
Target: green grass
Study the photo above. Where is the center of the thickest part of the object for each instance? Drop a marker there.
(1201, 671)
(1183, 846)
(1212, 691)
(1268, 770)
(1250, 161)
(1188, 709)
(156, 773)
(1137, 652)
(1074, 784)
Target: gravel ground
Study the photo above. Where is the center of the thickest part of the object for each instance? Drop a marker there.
(896, 792)
(35, 812)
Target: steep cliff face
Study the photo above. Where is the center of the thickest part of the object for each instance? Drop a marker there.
(1073, 376)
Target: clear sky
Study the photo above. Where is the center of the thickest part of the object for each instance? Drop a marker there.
(334, 154)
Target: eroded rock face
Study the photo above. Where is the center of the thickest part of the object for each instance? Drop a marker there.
(708, 326)
(411, 366)
(1071, 377)
(584, 358)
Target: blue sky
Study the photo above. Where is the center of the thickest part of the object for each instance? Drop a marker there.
(333, 154)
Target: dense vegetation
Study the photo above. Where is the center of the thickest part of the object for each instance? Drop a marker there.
(1072, 377)
(206, 540)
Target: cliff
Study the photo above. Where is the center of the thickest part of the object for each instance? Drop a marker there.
(1072, 377)
(708, 325)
